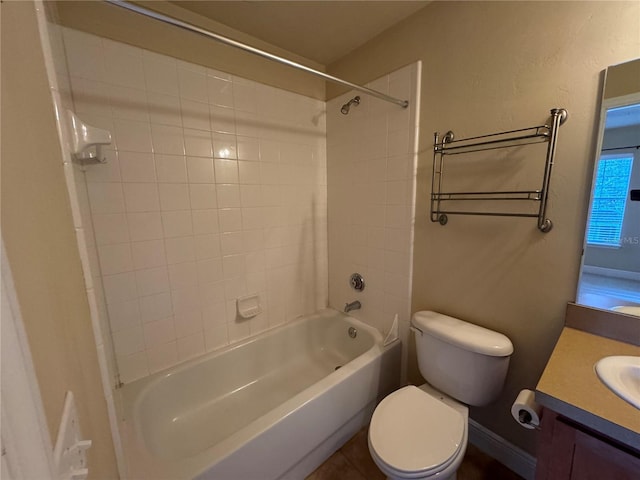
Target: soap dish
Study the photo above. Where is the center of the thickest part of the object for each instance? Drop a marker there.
(249, 306)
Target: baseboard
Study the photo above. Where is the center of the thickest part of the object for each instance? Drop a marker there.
(611, 272)
(505, 452)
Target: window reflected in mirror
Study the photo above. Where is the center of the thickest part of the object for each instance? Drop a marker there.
(610, 276)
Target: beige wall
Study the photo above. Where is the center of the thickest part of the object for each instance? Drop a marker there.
(41, 244)
(489, 67)
(118, 24)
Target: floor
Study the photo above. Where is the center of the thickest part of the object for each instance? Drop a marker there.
(607, 292)
(353, 462)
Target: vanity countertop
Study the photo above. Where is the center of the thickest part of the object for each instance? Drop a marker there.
(570, 386)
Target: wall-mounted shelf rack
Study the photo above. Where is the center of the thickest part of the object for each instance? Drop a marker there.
(441, 201)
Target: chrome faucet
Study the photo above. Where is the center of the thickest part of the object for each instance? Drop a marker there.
(352, 306)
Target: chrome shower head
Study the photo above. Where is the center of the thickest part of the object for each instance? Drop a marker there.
(347, 106)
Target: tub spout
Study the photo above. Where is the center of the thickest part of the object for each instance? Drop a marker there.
(352, 306)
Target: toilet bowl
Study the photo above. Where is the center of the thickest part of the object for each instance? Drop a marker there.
(421, 432)
(398, 440)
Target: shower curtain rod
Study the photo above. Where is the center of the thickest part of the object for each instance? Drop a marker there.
(247, 48)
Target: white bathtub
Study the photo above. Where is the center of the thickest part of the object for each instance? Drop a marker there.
(274, 406)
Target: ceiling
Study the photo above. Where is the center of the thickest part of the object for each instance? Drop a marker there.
(323, 31)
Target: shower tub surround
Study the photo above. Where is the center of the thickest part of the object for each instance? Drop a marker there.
(286, 400)
(214, 188)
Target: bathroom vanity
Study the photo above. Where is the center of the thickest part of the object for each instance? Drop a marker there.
(588, 432)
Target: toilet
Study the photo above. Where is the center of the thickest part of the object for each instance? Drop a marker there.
(421, 432)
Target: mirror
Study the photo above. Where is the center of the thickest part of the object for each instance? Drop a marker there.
(610, 272)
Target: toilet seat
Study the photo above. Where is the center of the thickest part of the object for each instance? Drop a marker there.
(416, 435)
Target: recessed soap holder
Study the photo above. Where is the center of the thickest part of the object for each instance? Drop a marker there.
(87, 141)
(249, 306)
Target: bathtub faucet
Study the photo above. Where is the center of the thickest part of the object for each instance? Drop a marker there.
(352, 306)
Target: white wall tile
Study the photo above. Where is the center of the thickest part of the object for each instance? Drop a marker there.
(123, 65)
(205, 221)
(200, 170)
(137, 167)
(85, 54)
(174, 196)
(193, 85)
(162, 356)
(144, 226)
(128, 341)
(110, 228)
(128, 103)
(228, 196)
(106, 198)
(209, 270)
(203, 196)
(226, 170)
(177, 223)
(132, 136)
(207, 246)
(133, 367)
(224, 145)
(120, 287)
(164, 109)
(171, 168)
(195, 115)
(185, 300)
(148, 254)
(152, 281)
(141, 197)
(231, 243)
(220, 91)
(230, 219)
(161, 74)
(223, 119)
(159, 332)
(211, 296)
(197, 142)
(180, 249)
(91, 97)
(188, 323)
(167, 139)
(183, 275)
(115, 258)
(165, 209)
(191, 346)
(216, 338)
(124, 315)
(155, 307)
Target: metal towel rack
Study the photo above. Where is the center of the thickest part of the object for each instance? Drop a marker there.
(512, 138)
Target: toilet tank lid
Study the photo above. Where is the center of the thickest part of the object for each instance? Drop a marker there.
(473, 338)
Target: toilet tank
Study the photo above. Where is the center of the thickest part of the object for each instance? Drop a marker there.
(463, 360)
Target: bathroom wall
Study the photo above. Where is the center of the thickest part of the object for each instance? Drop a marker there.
(41, 241)
(371, 163)
(491, 66)
(215, 188)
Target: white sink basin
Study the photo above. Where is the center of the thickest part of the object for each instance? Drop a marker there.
(622, 375)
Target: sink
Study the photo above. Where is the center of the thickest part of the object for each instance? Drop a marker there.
(621, 374)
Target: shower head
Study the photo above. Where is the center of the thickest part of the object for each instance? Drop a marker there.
(354, 101)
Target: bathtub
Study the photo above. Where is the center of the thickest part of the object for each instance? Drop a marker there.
(274, 406)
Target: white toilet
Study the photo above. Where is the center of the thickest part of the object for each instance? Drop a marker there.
(421, 432)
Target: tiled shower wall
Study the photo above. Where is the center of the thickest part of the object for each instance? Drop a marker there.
(214, 188)
(372, 158)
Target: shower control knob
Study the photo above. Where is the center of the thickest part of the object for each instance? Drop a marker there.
(357, 282)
